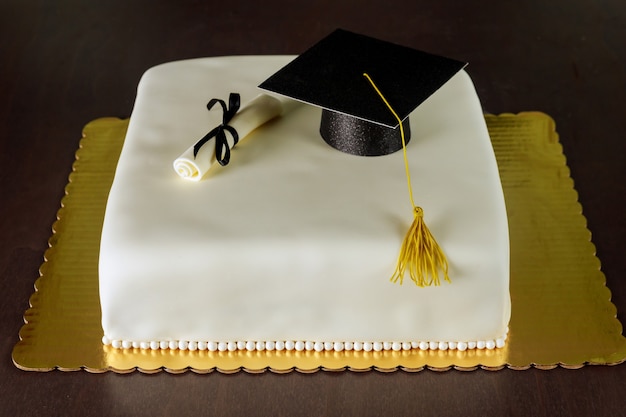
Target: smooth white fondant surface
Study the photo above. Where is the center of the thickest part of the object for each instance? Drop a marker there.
(293, 240)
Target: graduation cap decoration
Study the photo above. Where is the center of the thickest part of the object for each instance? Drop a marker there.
(330, 75)
(367, 88)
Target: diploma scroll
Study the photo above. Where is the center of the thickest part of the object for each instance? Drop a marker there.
(253, 114)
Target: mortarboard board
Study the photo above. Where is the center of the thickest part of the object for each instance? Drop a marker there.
(354, 119)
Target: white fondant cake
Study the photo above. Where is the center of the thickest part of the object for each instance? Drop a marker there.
(291, 246)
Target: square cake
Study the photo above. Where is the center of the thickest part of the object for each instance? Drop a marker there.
(292, 244)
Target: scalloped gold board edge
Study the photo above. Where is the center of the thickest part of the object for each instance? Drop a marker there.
(562, 314)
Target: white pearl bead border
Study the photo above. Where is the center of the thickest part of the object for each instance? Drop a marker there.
(299, 345)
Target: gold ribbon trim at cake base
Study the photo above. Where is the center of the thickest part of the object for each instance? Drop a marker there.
(561, 316)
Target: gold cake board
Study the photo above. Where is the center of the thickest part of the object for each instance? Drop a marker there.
(562, 314)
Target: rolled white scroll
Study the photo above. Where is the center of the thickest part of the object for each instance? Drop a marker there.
(253, 114)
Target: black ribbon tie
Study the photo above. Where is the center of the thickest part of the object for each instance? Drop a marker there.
(222, 150)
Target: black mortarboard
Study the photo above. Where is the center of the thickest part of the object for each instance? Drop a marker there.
(354, 119)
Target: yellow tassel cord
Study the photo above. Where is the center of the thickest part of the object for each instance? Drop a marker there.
(420, 253)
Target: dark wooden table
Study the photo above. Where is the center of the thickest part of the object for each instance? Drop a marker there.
(64, 63)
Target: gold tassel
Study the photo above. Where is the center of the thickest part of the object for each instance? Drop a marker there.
(420, 253)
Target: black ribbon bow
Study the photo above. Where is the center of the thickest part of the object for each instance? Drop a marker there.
(222, 150)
